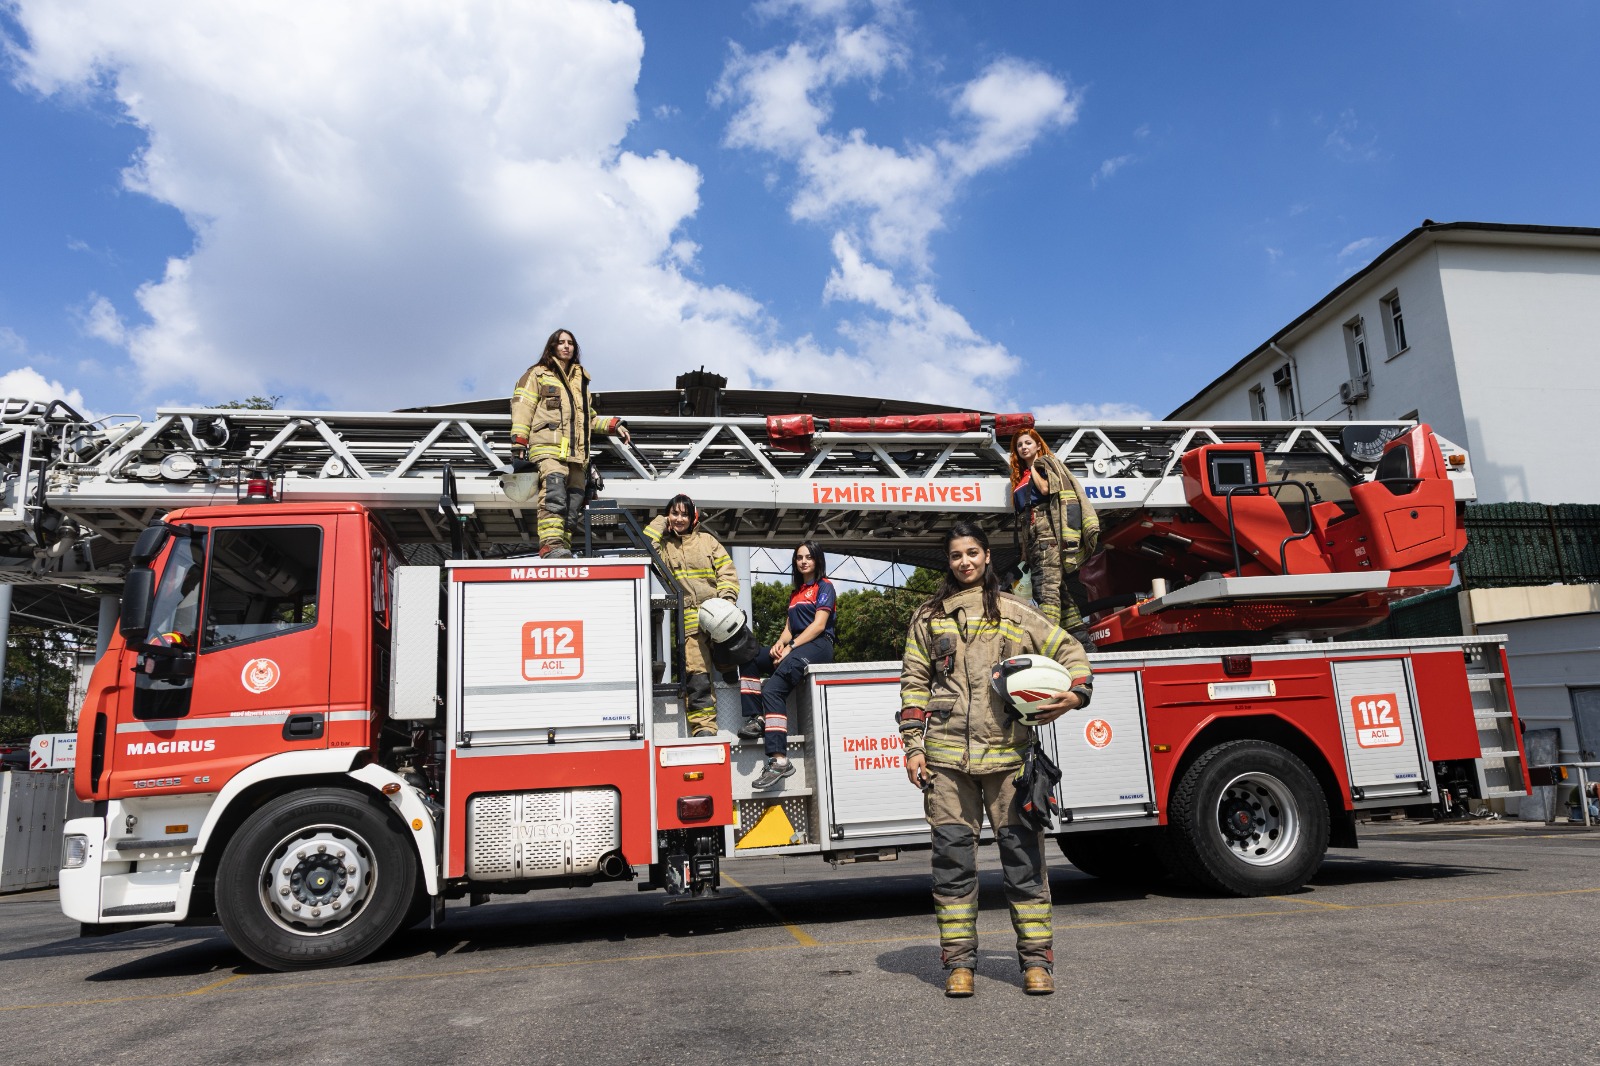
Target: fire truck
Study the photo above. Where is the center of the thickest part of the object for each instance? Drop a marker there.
(338, 696)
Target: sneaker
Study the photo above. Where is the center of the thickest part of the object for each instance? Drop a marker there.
(772, 773)
(753, 729)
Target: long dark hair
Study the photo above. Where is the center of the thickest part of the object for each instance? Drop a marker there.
(548, 359)
(949, 586)
(688, 505)
(817, 557)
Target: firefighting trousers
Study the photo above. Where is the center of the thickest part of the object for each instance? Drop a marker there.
(700, 694)
(770, 698)
(1057, 589)
(558, 507)
(955, 807)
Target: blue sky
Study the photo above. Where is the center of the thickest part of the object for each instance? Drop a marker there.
(1082, 209)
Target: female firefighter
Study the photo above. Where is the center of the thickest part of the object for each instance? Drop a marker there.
(965, 750)
(553, 419)
(704, 570)
(807, 638)
(1059, 531)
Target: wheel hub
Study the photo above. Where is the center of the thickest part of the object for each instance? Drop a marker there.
(1258, 819)
(317, 879)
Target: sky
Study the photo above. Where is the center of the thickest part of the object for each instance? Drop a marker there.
(1085, 210)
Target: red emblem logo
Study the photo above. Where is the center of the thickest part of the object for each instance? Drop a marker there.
(259, 675)
(1097, 732)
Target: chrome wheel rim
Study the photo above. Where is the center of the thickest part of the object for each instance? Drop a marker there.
(1257, 819)
(317, 880)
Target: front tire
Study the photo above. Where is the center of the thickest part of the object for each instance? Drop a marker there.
(317, 878)
(1247, 818)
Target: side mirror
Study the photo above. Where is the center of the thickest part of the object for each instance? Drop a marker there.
(149, 545)
(138, 594)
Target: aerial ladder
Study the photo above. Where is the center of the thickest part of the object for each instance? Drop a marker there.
(1208, 528)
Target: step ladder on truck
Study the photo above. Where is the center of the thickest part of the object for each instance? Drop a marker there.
(321, 754)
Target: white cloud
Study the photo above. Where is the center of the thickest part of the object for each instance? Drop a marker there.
(393, 200)
(1355, 246)
(885, 203)
(1092, 412)
(26, 383)
(1351, 140)
(1108, 169)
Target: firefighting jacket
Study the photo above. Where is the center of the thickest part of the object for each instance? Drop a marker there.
(700, 563)
(553, 412)
(949, 712)
(1066, 509)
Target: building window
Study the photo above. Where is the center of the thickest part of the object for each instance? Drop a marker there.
(1355, 345)
(1283, 379)
(1394, 325)
(1258, 403)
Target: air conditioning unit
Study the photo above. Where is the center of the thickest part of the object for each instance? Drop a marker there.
(1353, 390)
(1281, 376)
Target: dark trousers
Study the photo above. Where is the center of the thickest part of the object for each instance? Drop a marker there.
(770, 698)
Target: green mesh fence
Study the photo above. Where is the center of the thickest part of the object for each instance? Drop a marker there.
(1512, 544)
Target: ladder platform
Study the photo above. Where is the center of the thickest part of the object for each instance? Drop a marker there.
(1298, 587)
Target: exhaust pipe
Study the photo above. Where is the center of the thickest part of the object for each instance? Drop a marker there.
(611, 866)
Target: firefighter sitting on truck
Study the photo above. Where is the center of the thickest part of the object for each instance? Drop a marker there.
(553, 419)
(704, 571)
(965, 750)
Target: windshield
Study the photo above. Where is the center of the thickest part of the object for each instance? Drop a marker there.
(175, 615)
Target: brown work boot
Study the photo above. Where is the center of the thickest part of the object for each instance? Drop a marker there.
(958, 984)
(1036, 981)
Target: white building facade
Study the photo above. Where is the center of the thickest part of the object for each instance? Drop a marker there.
(1489, 332)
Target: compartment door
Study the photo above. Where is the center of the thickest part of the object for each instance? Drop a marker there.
(1382, 740)
(551, 661)
(1104, 754)
(868, 794)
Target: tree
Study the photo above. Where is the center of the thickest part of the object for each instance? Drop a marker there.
(38, 682)
(253, 403)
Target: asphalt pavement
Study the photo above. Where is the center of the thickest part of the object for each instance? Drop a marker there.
(1430, 944)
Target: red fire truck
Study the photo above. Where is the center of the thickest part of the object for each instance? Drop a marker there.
(297, 732)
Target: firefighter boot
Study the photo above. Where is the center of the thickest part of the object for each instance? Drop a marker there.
(958, 983)
(1037, 981)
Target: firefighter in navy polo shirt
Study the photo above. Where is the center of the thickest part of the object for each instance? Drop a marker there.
(807, 638)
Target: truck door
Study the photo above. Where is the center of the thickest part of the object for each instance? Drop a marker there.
(1382, 739)
(253, 645)
(1104, 754)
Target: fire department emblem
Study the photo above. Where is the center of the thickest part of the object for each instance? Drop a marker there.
(259, 675)
(1097, 732)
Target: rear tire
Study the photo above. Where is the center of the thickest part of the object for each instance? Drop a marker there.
(1247, 818)
(1117, 856)
(317, 878)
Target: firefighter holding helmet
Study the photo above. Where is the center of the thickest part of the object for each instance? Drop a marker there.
(553, 420)
(966, 750)
(1059, 528)
(704, 571)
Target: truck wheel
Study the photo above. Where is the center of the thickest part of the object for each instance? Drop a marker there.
(1117, 856)
(317, 878)
(1247, 818)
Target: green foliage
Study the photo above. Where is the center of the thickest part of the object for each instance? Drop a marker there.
(253, 403)
(871, 623)
(38, 682)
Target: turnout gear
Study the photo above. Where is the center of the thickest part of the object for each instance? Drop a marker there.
(1060, 530)
(951, 715)
(704, 571)
(553, 422)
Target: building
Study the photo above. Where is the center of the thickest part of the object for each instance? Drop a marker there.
(1489, 332)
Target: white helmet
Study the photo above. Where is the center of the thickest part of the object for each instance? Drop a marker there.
(520, 487)
(1026, 681)
(720, 620)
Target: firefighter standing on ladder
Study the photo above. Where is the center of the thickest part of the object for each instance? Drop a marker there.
(965, 751)
(1059, 528)
(703, 570)
(552, 417)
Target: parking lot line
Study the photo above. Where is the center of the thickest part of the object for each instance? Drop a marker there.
(212, 987)
(803, 938)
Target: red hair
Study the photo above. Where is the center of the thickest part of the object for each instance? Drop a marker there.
(1017, 465)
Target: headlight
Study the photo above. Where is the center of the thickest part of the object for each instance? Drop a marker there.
(74, 852)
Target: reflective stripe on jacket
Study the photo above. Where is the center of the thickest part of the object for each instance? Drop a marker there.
(555, 413)
(948, 710)
(700, 563)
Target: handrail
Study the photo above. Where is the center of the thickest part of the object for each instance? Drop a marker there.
(1283, 548)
